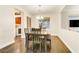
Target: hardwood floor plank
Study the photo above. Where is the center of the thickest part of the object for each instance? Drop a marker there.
(57, 46)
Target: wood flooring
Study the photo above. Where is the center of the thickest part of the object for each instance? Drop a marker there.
(57, 46)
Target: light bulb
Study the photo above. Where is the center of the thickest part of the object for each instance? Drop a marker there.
(39, 17)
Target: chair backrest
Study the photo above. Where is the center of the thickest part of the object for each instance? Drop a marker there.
(37, 39)
(36, 30)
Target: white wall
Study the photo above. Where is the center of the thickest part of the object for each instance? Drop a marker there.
(69, 37)
(7, 27)
(7, 24)
(71, 10)
(54, 22)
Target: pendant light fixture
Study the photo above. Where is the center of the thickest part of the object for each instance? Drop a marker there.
(39, 10)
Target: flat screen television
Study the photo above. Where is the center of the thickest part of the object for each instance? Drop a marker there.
(73, 23)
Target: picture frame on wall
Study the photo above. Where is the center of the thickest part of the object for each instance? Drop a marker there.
(44, 23)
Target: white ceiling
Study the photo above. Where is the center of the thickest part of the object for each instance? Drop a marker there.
(42, 9)
(71, 8)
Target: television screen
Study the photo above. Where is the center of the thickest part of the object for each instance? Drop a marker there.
(74, 23)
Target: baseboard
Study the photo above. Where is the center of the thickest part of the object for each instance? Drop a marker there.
(7, 45)
(66, 44)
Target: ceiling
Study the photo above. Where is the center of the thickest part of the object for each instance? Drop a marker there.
(42, 9)
(71, 8)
